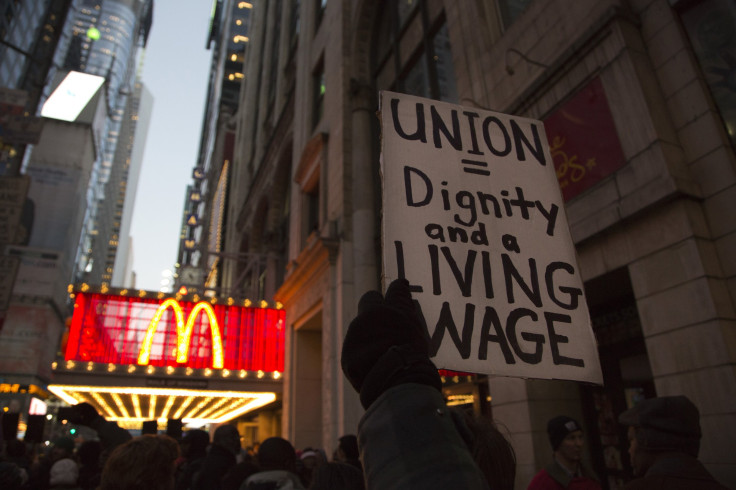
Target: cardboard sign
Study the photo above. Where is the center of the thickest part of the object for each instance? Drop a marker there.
(473, 217)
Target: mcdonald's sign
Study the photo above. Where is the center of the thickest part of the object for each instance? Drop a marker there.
(118, 329)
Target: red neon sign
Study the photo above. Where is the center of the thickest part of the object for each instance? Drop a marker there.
(130, 330)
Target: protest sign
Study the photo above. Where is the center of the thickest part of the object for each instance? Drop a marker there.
(473, 217)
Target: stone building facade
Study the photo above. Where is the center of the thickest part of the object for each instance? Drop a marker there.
(649, 193)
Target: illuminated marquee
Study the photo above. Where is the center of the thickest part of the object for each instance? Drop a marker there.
(183, 332)
(117, 329)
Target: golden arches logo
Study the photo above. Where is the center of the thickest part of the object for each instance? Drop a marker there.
(183, 332)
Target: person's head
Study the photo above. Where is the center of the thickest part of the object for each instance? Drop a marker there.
(194, 443)
(62, 447)
(228, 437)
(347, 448)
(661, 425)
(11, 477)
(142, 462)
(309, 460)
(337, 475)
(491, 451)
(567, 441)
(276, 453)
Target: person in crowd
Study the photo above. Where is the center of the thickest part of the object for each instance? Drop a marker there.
(335, 475)
(277, 462)
(307, 462)
(566, 471)
(90, 471)
(144, 462)
(407, 437)
(11, 477)
(220, 458)
(236, 475)
(17, 454)
(110, 434)
(664, 442)
(64, 471)
(193, 451)
(491, 451)
(38, 476)
(347, 451)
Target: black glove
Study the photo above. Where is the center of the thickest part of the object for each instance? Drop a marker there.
(83, 414)
(386, 345)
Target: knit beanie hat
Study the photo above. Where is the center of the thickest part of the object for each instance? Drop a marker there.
(665, 423)
(559, 427)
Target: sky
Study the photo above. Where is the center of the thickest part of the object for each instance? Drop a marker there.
(175, 71)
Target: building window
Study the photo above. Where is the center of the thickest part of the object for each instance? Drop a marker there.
(319, 12)
(318, 93)
(307, 177)
(294, 23)
(511, 9)
(412, 52)
(275, 44)
(442, 66)
(710, 26)
(312, 209)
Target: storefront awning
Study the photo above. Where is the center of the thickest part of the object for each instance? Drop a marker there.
(131, 406)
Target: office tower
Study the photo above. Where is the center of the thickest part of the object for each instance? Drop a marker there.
(29, 33)
(107, 38)
(204, 210)
(116, 211)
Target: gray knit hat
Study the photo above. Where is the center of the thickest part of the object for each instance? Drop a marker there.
(665, 423)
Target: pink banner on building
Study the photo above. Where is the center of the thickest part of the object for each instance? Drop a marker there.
(583, 141)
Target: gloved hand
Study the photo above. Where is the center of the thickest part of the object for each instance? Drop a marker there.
(83, 414)
(386, 345)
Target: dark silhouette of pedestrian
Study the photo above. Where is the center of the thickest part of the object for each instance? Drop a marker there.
(277, 460)
(220, 458)
(566, 469)
(664, 442)
(144, 462)
(407, 437)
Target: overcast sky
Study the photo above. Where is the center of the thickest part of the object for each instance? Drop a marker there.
(176, 69)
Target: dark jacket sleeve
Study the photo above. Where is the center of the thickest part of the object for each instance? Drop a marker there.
(408, 439)
(110, 433)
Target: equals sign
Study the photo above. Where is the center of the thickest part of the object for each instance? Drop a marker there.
(475, 163)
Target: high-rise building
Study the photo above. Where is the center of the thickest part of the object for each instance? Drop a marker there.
(29, 33)
(106, 38)
(199, 258)
(116, 210)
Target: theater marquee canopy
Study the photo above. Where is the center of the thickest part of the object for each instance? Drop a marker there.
(143, 356)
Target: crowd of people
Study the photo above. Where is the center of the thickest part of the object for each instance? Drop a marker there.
(160, 462)
(408, 437)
